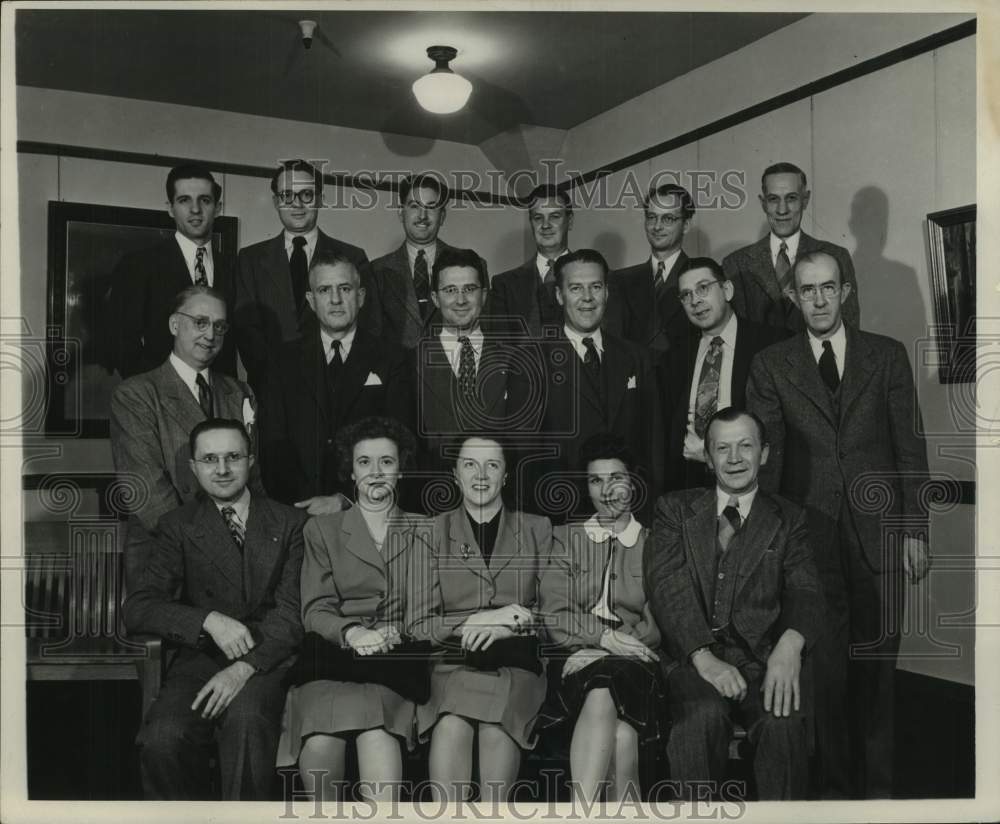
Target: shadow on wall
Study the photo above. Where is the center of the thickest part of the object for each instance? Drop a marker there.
(612, 246)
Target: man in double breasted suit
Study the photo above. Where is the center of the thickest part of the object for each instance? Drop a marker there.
(644, 307)
(273, 276)
(761, 272)
(846, 444)
(337, 374)
(152, 414)
(221, 581)
(733, 588)
(145, 283)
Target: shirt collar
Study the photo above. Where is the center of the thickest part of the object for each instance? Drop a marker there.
(311, 236)
(345, 343)
(542, 262)
(187, 374)
(744, 501)
(450, 338)
(792, 244)
(728, 333)
(577, 340)
(242, 507)
(668, 263)
(599, 533)
(190, 250)
(838, 342)
(430, 252)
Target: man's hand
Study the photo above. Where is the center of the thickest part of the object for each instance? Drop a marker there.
(222, 688)
(366, 641)
(916, 559)
(231, 636)
(324, 504)
(482, 636)
(694, 447)
(618, 643)
(582, 658)
(781, 681)
(724, 677)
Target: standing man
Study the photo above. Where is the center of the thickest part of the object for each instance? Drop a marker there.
(841, 409)
(524, 299)
(335, 375)
(221, 581)
(153, 413)
(733, 588)
(145, 283)
(644, 307)
(706, 370)
(273, 275)
(762, 272)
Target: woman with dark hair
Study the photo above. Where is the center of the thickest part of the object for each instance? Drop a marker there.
(357, 677)
(596, 611)
(474, 594)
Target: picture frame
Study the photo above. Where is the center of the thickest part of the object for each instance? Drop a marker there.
(85, 243)
(951, 239)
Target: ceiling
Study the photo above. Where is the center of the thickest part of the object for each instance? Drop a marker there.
(553, 69)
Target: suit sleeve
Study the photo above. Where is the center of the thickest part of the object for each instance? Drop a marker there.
(670, 586)
(322, 602)
(802, 602)
(764, 402)
(249, 321)
(731, 268)
(908, 445)
(279, 630)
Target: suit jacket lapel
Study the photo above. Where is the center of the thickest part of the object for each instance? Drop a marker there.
(668, 308)
(359, 540)
(702, 529)
(804, 375)
(261, 549)
(763, 271)
(181, 404)
(463, 545)
(741, 363)
(858, 370)
(405, 295)
(527, 288)
(586, 388)
(507, 545)
(210, 535)
(277, 264)
(355, 371)
(313, 366)
(492, 366)
(435, 375)
(617, 370)
(756, 535)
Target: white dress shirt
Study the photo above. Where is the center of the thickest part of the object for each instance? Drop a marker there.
(576, 339)
(345, 344)
(627, 539)
(542, 263)
(189, 375)
(743, 502)
(453, 349)
(311, 237)
(791, 244)
(668, 264)
(190, 251)
(241, 508)
(430, 253)
(838, 342)
(728, 335)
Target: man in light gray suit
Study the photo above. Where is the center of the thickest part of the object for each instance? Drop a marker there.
(152, 414)
(840, 407)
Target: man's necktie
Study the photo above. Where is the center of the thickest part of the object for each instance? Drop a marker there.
(466, 367)
(828, 367)
(659, 282)
(550, 279)
(336, 362)
(204, 395)
(234, 526)
(729, 523)
(200, 275)
(591, 359)
(299, 267)
(706, 399)
(783, 268)
(422, 285)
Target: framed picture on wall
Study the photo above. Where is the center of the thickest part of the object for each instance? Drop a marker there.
(951, 237)
(85, 244)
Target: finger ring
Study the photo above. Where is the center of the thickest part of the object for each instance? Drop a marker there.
(517, 618)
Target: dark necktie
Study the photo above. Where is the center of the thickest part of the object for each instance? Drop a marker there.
(783, 268)
(299, 267)
(422, 285)
(828, 367)
(706, 399)
(466, 367)
(591, 360)
(729, 523)
(659, 282)
(204, 395)
(200, 275)
(336, 362)
(550, 279)
(234, 526)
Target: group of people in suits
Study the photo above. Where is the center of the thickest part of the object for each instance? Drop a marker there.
(465, 512)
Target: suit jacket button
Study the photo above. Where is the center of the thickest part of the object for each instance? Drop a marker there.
(722, 575)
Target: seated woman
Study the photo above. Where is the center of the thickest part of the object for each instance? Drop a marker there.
(473, 592)
(350, 686)
(595, 608)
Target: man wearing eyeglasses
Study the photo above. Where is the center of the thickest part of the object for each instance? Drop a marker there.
(644, 306)
(847, 444)
(220, 580)
(705, 370)
(273, 275)
(144, 283)
(153, 413)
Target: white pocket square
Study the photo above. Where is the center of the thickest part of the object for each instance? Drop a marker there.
(631, 383)
(373, 380)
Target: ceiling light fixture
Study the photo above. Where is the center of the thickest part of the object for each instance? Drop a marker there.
(442, 91)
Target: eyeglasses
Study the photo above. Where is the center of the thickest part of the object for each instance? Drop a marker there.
(668, 220)
(225, 459)
(304, 196)
(201, 323)
(829, 290)
(699, 291)
(451, 292)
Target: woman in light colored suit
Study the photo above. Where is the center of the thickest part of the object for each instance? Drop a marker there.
(474, 595)
(597, 612)
(357, 675)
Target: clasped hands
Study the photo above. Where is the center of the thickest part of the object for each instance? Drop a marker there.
(483, 628)
(612, 642)
(366, 641)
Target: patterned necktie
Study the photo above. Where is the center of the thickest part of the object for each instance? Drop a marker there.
(659, 282)
(336, 362)
(591, 360)
(706, 399)
(466, 367)
(235, 527)
(828, 367)
(204, 395)
(200, 275)
(783, 268)
(422, 285)
(299, 268)
(729, 523)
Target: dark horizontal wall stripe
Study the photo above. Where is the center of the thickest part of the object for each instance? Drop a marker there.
(244, 170)
(874, 64)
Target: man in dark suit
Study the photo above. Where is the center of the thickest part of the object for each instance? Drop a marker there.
(221, 580)
(644, 307)
(762, 272)
(145, 283)
(273, 275)
(337, 374)
(153, 413)
(733, 588)
(841, 409)
(706, 370)
(596, 382)
(524, 299)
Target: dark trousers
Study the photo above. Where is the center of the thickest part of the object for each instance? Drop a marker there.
(855, 660)
(176, 743)
(698, 746)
